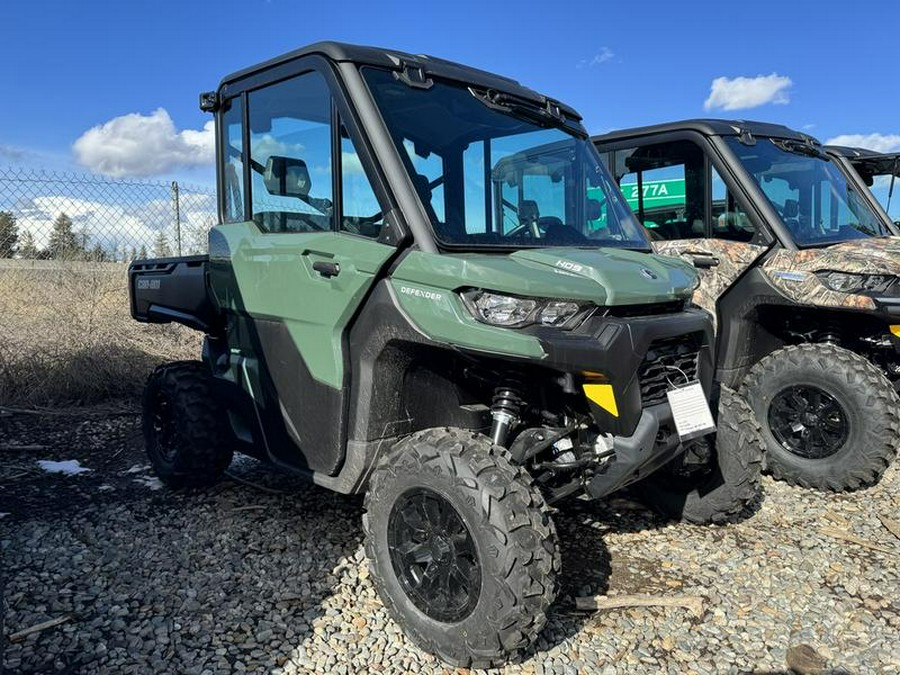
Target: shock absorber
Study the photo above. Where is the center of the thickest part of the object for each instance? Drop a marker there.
(505, 410)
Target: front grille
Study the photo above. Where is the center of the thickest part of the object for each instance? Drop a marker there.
(649, 309)
(668, 362)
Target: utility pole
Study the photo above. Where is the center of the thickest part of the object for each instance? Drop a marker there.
(176, 199)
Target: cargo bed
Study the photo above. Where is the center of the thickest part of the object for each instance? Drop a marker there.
(163, 290)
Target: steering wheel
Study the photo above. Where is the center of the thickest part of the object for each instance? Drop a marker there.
(354, 225)
(525, 231)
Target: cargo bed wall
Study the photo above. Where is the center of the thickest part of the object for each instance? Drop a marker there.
(172, 289)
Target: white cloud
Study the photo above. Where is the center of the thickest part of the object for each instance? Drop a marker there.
(876, 142)
(605, 54)
(144, 145)
(106, 224)
(10, 153)
(741, 93)
(114, 227)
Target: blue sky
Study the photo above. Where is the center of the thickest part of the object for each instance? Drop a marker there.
(73, 66)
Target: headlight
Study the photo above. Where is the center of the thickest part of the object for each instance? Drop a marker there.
(510, 311)
(846, 282)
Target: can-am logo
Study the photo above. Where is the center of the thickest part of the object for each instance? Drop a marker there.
(419, 293)
(648, 274)
(570, 266)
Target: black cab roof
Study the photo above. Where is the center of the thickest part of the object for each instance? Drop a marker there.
(709, 127)
(397, 60)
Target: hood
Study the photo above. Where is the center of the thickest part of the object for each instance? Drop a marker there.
(604, 276)
(875, 255)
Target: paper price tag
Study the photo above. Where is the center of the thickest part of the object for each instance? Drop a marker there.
(690, 410)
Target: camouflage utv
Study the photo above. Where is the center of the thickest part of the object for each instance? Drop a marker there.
(878, 170)
(800, 271)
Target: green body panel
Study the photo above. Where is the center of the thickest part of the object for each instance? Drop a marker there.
(601, 275)
(441, 315)
(425, 285)
(273, 278)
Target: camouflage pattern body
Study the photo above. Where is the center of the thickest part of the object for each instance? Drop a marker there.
(793, 272)
(734, 258)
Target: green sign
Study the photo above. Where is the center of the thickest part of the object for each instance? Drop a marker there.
(657, 193)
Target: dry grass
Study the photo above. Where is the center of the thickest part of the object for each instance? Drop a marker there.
(67, 337)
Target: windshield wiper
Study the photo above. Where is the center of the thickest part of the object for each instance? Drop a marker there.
(546, 113)
(799, 147)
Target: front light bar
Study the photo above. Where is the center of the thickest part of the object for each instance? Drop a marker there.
(510, 311)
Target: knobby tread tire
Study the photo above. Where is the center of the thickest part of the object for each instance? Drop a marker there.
(864, 459)
(514, 535)
(204, 449)
(731, 488)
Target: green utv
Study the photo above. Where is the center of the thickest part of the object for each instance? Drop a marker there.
(802, 272)
(403, 299)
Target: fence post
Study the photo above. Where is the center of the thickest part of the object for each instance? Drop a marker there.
(177, 201)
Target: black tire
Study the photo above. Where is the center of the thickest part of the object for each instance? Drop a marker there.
(856, 436)
(725, 484)
(508, 537)
(185, 429)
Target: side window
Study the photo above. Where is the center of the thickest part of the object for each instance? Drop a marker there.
(661, 198)
(233, 164)
(729, 221)
(290, 155)
(360, 211)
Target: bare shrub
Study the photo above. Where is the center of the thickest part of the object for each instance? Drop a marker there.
(67, 336)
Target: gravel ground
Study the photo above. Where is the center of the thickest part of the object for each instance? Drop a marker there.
(265, 574)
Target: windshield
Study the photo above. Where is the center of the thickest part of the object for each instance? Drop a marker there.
(882, 174)
(500, 171)
(810, 193)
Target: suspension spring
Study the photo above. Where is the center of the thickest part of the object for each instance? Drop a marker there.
(506, 408)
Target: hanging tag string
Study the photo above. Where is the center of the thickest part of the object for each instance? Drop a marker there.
(687, 380)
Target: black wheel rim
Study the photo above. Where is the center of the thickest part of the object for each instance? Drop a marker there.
(163, 428)
(808, 422)
(433, 555)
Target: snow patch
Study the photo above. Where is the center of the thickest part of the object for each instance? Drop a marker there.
(69, 467)
(138, 468)
(3, 515)
(106, 488)
(152, 483)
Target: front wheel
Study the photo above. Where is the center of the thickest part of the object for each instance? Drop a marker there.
(830, 418)
(717, 478)
(462, 548)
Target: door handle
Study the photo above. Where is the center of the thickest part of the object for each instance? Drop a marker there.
(702, 259)
(327, 268)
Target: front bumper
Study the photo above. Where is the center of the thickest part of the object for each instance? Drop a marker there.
(616, 351)
(653, 444)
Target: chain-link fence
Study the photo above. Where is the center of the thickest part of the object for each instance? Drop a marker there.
(52, 215)
(66, 334)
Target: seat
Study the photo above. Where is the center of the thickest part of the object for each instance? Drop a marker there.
(529, 214)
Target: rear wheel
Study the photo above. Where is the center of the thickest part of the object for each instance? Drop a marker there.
(830, 418)
(184, 427)
(717, 478)
(463, 551)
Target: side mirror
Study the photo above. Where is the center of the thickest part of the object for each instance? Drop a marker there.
(286, 177)
(593, 209)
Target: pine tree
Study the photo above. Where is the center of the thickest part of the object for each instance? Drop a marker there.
(161, 247)
(27, 248)
(63, 242)
(9, 234)
(142, 254)
(97, 254)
